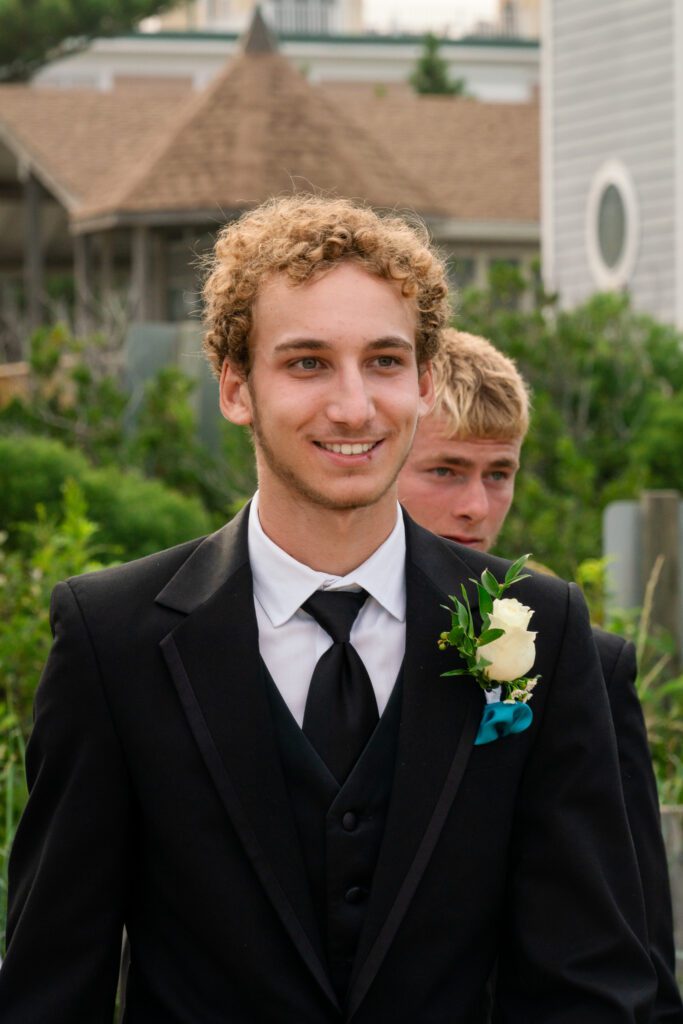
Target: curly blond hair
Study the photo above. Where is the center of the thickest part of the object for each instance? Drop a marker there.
(305, 236)
(478, 391)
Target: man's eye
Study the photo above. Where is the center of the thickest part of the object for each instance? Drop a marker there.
(307, 363)
(499, 475)
(441, 471)
(387, 361)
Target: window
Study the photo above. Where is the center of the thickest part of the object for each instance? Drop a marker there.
(612, 225)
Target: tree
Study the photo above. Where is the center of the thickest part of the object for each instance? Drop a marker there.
(431, 76)
(607, 421)
(35, 31)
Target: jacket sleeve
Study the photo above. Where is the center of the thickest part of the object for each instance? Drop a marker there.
(67, 872)
(573, 943)
(642, 808)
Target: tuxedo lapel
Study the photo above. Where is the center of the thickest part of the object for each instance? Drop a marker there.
(439, 721)
(213, 657)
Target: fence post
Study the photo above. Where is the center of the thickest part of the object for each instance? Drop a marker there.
(659, 537)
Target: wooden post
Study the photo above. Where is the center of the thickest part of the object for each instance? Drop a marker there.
(107, 299)
(33, 253)
(141, 283)
(660, 530)
(83, 279)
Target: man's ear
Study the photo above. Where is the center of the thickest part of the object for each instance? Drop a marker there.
(235, 399)
(426, 385)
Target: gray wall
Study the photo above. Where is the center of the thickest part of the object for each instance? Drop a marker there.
(609, 90)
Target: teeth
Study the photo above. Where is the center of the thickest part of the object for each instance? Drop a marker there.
(348, 449)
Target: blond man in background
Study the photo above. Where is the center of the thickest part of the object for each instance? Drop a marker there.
(459, 482)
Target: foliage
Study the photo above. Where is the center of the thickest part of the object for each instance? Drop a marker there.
(34, 31)
(431, 76)
(76, 396)
(165, 445)
(54, 548)
(659, 683)
(607, 387)
(12, 797)
(135, 515)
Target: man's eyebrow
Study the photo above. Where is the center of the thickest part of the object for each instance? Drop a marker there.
(315, 345)
(297, 344)
(458, 460)
(391, 342)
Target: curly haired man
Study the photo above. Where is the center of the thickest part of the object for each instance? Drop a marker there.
(244, 750)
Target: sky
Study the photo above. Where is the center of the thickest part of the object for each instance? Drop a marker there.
(448, 16)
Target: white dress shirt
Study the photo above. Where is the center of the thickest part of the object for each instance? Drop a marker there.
(291, 641)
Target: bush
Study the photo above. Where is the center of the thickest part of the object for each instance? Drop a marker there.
(77, 396)
(135, 515)
(140, 516)
(54, 548)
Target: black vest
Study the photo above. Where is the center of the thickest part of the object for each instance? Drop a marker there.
(340, 827)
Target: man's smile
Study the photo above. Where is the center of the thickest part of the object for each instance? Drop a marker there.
(348, 448)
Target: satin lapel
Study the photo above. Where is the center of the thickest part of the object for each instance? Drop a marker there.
(439, 721)
(214, 661)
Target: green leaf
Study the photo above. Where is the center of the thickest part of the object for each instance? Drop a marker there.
(457, 672)
(489, 635)
(485, 601)
(511, 576)
(490, 583)
(463, 616)
(470, 624)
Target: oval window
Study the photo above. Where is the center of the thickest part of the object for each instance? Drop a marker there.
(612, 226)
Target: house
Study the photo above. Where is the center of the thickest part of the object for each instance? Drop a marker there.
(122, 190)
(613, 152)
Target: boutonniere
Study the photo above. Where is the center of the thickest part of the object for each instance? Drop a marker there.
(501, 656)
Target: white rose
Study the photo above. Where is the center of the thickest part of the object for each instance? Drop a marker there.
(512, 654)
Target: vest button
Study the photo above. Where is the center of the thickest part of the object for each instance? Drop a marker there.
(349, 821)
(354, 895)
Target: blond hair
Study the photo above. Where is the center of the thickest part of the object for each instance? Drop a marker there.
(478, 390)
(304, 236)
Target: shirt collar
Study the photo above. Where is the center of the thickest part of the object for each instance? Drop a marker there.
(282, 584)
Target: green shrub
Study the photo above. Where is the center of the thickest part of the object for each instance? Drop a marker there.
(135, 515)
(140, 516)
(33, 470)
(53, 549)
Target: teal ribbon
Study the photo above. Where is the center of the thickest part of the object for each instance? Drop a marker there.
(501, 719)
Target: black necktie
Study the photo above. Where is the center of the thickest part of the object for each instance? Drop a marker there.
(341, 710)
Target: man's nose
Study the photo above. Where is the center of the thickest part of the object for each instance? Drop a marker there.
(471, 501)
(351, 402)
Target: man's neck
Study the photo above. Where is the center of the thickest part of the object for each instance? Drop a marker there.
(327, 540)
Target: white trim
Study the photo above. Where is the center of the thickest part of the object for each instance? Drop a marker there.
(615, 173)
(452, 229)
(678, 160)
(547, 142)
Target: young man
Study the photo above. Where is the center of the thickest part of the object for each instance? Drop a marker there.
(459, 482)
(244, 749)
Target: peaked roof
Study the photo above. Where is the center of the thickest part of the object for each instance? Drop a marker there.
(482, 159)
(257, 130)
(81, 141)
(162, 154)
(259, 38)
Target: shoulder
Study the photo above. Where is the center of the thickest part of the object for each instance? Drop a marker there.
(449, 564)
(538, 587)
(617, 656)
(132, 582)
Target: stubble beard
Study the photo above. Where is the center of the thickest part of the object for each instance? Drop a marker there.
(308, 493)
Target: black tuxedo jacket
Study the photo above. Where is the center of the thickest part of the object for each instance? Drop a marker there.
(618, 662)
(157, 801)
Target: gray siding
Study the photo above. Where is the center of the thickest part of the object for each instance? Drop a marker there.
(612, 97)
